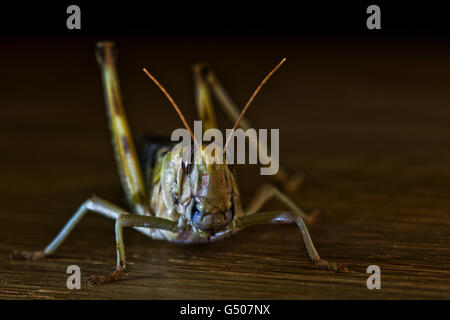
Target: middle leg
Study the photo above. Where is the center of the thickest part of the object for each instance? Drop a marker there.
(93, 204)
(269, 191)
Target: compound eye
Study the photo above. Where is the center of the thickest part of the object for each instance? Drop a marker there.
(195, 215)
(231, 210)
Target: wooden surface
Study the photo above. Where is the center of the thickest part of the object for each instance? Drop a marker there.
(368, 124)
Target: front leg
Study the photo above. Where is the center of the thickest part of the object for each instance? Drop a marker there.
(285, 218)
(126, 220)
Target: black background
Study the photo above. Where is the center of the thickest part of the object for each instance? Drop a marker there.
(404, 19)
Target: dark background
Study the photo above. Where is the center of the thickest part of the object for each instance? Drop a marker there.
(237, 18)
(362, 113)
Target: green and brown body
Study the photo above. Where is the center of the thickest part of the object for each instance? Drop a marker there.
(169, 198)
(177, 194)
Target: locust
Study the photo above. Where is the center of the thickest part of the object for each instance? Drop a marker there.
(170, 199)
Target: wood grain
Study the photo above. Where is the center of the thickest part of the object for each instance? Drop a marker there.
(368, 124)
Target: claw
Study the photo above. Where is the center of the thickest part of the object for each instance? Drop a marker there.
(332, 266)
(27, 255)
(112, 277)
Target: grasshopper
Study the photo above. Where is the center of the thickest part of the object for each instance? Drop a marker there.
(171, 199)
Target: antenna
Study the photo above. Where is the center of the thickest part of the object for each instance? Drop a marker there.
(251, 100)
(177, 109)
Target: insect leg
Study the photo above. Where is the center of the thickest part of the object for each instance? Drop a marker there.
(280, 217)
(205, 107)
(289, 183)
(267, 192)
(225, 101)
(126, 220)
(93, 204)
(123, 144)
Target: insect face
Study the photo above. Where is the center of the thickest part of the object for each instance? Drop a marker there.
(207, 190)
(213, 209)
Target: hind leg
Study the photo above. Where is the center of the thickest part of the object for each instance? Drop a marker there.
(130, 172)
(205, 107)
